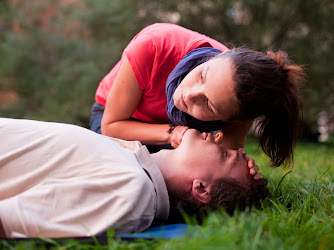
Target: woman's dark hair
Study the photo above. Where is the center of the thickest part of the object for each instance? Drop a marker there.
(224, 193)
(268, 86)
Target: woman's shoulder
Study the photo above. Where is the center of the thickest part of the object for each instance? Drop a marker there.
(162, 28)
(162, 39)
(167, 35)
(170, 30)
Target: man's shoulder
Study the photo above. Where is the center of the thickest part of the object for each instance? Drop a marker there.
(140, 179)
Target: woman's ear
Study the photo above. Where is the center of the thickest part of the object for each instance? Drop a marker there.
(201, 191)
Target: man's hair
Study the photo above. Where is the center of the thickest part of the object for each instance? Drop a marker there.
(224, 193)
(231, 196)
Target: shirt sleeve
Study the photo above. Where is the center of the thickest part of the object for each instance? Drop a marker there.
(141, 53)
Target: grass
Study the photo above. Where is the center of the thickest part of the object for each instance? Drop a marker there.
(298, 214)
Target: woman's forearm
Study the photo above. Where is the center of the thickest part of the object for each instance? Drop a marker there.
(131, 130)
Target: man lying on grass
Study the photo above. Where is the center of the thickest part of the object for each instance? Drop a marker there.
(60, 180)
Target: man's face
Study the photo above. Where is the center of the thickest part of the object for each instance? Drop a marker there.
(205, 155)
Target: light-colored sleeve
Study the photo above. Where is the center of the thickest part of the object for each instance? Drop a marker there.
(80, 207)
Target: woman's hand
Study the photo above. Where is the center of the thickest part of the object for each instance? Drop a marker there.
(177, 134)
(253, 168)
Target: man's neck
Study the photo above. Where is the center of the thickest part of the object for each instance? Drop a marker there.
(163, 160)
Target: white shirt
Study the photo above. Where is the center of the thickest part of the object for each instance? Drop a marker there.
(60, 180)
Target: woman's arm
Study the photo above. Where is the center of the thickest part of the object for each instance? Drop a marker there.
(122, 101)
(2, 230)
(235, 134)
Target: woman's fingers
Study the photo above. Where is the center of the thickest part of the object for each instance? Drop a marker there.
(257, 176)
(177, 135)
(254, 170)
(250, 162)
(242, 151)
(174, 145)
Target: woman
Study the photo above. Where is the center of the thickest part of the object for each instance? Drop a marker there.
(207, 86)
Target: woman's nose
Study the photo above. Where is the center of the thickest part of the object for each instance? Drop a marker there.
(195, 94)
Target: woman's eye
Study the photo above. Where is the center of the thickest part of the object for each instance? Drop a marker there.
(202, 77)
(209, 108)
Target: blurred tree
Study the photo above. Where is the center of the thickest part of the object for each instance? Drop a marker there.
(54, 54)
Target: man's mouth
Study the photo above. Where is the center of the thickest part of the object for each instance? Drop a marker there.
(205, 135)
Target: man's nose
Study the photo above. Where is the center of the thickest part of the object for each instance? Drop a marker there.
(219, 138)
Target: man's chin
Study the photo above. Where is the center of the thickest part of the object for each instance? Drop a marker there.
(192, 131)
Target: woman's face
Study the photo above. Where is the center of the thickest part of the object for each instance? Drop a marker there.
(207, 92)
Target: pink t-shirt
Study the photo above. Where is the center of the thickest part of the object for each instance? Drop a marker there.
(153, 53)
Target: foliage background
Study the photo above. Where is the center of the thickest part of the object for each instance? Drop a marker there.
(54, 53)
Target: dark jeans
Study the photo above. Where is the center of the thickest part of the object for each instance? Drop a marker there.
(96, 117)
(95, 125)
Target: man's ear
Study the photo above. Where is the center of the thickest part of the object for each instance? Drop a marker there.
(201, 190)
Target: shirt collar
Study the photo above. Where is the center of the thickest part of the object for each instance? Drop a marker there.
(146, 161)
